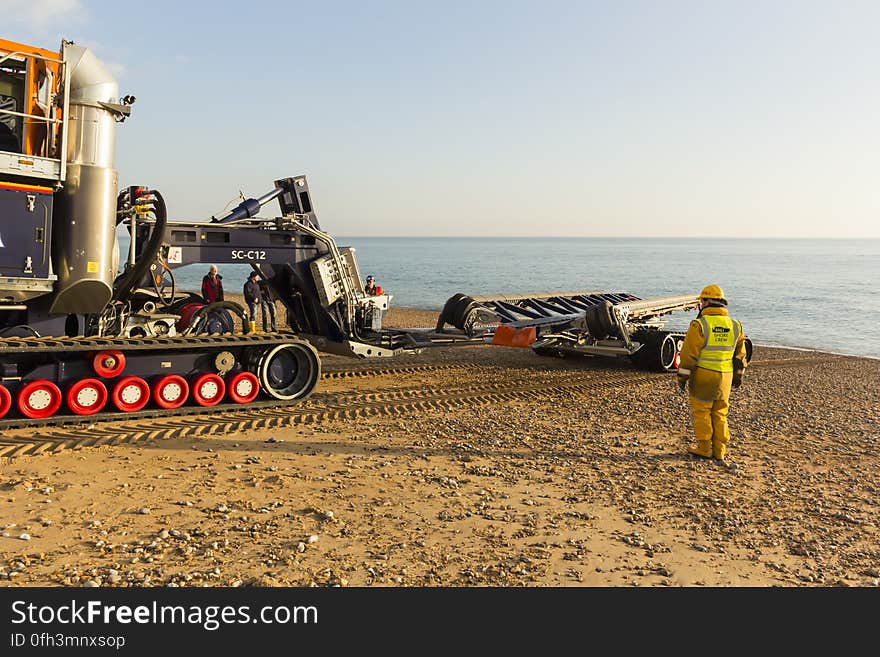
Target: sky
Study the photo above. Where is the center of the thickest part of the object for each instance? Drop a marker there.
(484, 118)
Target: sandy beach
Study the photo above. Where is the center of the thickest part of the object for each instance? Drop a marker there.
(472, 466)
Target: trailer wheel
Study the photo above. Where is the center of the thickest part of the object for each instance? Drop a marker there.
(86, 396)
(599, 320)
(5, 401)
(289, 371)
(462, 312)
(446, 315)
(667, 354)
(170, 391)
(242, 387)
(208, 389)
(659, 352)
(130, 394)
(39, 399)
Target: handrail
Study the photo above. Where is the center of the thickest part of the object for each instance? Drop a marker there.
(349, 292)
(47, 119)
(65, 71)
(33, 55)
(31, 116)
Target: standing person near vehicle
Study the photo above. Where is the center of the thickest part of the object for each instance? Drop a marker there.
(212, 285)
(253, 299)
(713, 358)
(267, 303)
(371, 289)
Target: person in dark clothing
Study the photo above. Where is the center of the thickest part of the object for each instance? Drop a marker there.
(252, 297)
(267, 304)
(212, 286)
(371, 289)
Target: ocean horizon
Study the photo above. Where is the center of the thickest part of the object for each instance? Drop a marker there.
(807, 293)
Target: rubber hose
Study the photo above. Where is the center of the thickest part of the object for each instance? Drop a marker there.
(27, 327)
(162, 301)
(130, 280)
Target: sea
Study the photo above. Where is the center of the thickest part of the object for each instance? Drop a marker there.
(801, 293)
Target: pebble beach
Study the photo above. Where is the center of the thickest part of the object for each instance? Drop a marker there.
(572, 472)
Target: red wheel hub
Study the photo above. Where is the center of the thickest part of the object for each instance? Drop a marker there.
(208, 389)
(108, 364)
(5, 401)
(242, 387)
(39, 399)
(130, 394)
(86, 396)
(170, 391)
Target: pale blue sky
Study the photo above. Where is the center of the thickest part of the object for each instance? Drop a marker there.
(499, 118)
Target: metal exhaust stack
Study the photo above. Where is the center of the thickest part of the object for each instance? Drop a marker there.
(84, 241)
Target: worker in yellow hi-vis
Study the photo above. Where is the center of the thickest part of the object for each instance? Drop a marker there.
(713, 358)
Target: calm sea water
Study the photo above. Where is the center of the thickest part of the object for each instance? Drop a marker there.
(818, 294)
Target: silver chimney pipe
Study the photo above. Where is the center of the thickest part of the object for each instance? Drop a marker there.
(85, 250)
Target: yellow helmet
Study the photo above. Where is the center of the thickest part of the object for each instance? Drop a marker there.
(712, 292)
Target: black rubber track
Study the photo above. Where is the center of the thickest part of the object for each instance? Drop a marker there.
(336, 406)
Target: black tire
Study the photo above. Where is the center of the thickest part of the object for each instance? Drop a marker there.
(447, 314)
(657, 352)
(666, 352)
(463, 311)
(289, 371)
(600, 321)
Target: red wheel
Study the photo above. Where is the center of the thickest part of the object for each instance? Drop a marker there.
(130, 394)
(677, 360)
(243, 387)
(208, 389)
(170, 391)
(86, 396)
(5, 401)
(39, 399)
(108, 364)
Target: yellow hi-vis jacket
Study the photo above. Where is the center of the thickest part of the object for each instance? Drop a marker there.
(707, 356)
(720, 334)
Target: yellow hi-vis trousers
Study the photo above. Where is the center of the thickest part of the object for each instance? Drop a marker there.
(709, 395)
(710, 420)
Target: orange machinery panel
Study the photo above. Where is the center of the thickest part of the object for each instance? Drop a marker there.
(39, 62)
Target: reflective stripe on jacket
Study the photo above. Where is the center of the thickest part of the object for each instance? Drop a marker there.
(720, 336)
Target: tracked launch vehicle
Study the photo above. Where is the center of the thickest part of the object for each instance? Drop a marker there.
(88, 331)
